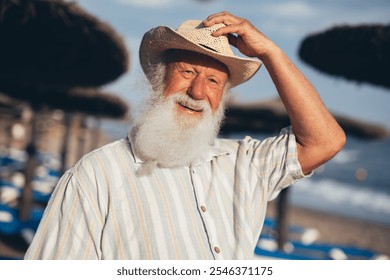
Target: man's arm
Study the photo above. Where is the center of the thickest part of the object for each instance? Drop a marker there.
(318, 135)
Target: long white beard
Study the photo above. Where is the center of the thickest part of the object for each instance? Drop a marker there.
(165, 137)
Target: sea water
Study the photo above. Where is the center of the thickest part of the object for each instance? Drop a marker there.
(355, 183)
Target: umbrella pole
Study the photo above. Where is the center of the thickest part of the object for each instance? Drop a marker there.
(65, 143)
(96, 134)
(282, 230)
(82, 137)
(27, 197)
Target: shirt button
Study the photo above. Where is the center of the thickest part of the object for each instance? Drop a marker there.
(204, 209)
(217, 250)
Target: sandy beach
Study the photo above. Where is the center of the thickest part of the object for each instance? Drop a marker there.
(340, 230)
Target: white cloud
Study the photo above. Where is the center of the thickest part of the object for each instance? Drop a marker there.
(286, 18)
(145, 3)
(290, 9)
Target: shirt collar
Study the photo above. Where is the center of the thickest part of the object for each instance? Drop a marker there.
(135, 157)
(215, 151)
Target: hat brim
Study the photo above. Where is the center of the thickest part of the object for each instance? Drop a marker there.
(160, 39)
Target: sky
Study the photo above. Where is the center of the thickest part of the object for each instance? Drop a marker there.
(286, 23)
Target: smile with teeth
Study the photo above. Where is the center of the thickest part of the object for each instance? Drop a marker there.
(191, 107)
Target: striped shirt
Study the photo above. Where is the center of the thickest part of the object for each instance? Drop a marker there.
(213, 209)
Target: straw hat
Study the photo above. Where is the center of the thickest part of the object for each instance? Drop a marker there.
(192, 35)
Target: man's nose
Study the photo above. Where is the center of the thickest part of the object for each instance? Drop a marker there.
(197, 89)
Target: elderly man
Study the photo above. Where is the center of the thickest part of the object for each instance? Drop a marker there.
(171, 189)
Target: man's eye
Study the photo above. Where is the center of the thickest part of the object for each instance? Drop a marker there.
(189, 72)
(213, 81)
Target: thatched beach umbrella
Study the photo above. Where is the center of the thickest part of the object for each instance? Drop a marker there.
(49, 47)
(90, 101)
(360, 53)
(56, 44)
(271, 116)
(86, 101)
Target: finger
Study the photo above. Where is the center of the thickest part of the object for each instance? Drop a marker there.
(223, 17)
(233, 28)
(216, 15)
(212, 18)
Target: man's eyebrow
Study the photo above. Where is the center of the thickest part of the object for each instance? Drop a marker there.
(183, 65)
(178, 65)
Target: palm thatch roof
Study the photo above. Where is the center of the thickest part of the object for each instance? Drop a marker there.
(90, 101)
(56, 44)
(271, 116)
(360, 53)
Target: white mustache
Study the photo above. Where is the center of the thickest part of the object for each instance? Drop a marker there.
(186, 101)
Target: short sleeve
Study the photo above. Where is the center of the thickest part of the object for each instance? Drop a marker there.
(275, 160)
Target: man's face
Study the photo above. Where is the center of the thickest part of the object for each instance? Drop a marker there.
(184, 112)
(198, 76)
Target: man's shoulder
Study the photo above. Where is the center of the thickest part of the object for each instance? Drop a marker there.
(106, 154)
(247, 143)
(114, 146)
(284, 133)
